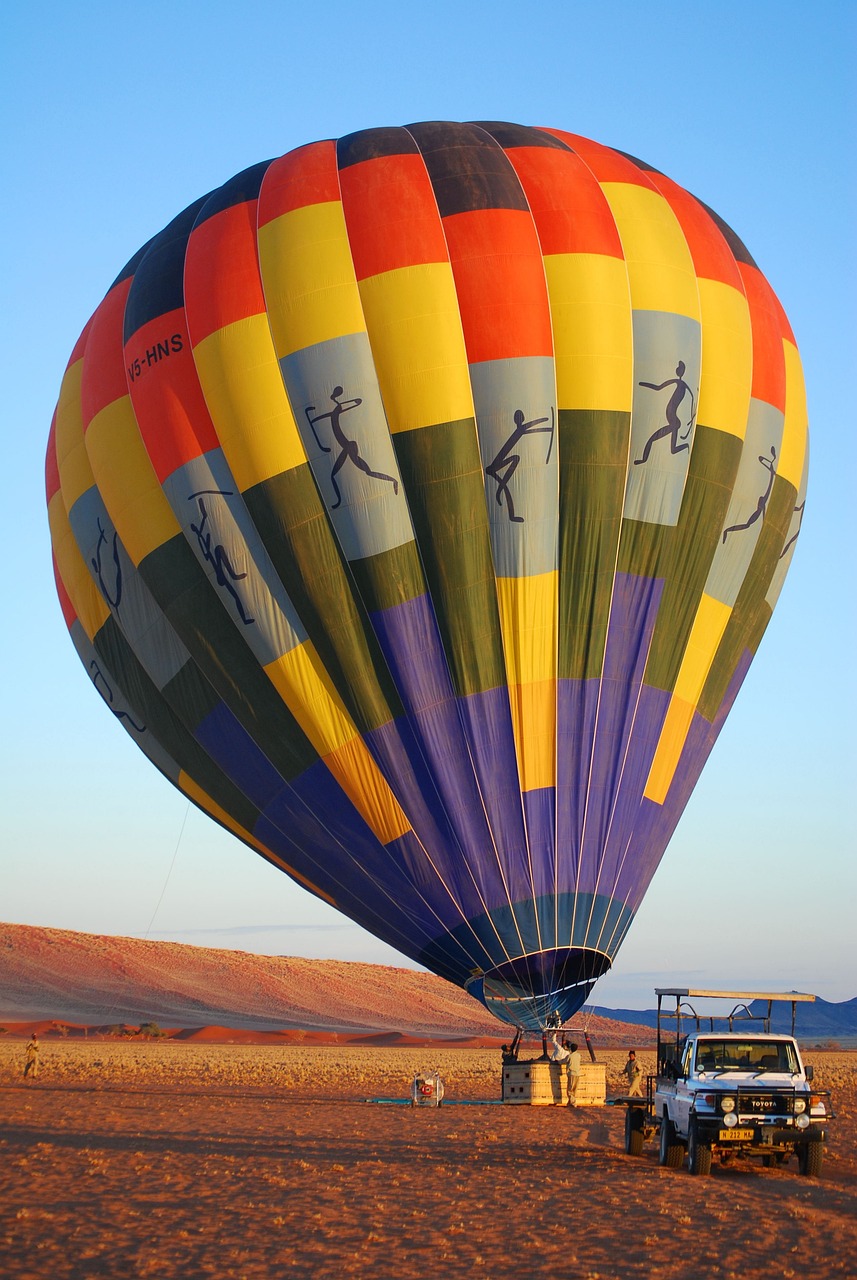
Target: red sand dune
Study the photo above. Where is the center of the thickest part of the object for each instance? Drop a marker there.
(52, 976)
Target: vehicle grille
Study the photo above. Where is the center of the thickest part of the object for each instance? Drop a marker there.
(765, 1104)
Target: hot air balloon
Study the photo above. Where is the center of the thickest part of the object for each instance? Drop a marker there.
(418, 502)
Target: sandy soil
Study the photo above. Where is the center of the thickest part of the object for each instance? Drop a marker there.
(167, 1160)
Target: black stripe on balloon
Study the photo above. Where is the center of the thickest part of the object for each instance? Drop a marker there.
(238, 190)
(740, 252)
(467, 168)
(520, 135)
(371, 144)
(158, 286)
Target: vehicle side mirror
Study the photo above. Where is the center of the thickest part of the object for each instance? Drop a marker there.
(809, 1071)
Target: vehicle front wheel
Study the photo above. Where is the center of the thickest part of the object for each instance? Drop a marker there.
(670, 1152)
(810, 1159)
(633, 1132)
(698, 1154)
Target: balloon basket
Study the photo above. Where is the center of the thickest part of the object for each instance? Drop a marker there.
(543, 1084)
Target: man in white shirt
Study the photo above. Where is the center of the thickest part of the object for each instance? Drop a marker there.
(570, 1059)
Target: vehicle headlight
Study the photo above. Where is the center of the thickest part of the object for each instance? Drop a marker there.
(800, 1105)
(730, 1120)
(727, 1104)
(802, 1122)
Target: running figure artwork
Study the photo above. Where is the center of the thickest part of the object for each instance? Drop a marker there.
(505, 464)
(673, 423)
(348, 449)
(217, 556)
(114, 599)
(770, 465)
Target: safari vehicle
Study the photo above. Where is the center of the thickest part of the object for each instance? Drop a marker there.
(740, 1091)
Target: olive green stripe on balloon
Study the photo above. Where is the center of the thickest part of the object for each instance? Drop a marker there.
(187, 598)
(687, 550)
(296, 533)
(593, 453)
(751, 613)
(165, 726)
(390, 577)
(442, 474)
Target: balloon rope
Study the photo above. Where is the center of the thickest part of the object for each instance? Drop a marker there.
(169, 872)
(109, 1012)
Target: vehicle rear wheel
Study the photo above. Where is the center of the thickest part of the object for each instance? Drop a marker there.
(698, 1154)
(670, 1152)
(633, 1132)
(810, 1159)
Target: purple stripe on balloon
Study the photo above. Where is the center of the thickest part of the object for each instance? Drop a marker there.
(540, 818)
(597, 720)
(411, 644)
(451, 833)
(577, 704)
(656, 823)
(618, 808)
(488, 724)
(463, 750)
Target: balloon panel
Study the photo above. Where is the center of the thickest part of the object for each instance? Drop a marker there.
(418, 502)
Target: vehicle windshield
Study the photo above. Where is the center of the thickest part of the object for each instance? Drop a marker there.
(746, 1055)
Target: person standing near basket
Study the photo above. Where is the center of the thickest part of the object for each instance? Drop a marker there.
(634, 1073)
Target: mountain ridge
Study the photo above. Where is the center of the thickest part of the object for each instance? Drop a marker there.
(56, 975)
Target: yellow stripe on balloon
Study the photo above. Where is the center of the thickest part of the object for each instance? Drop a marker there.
(244, 392)
(528, 610)
(727, 358)
(534, 725)
(311, 292)
(793, 449)
(660, 268)
(127, 482)
(307, 691)
(591, 320)
(74, 470)
(88, 603)
(417, 342)
(705, 636)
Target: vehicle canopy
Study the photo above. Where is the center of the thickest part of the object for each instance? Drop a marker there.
(739, 1046)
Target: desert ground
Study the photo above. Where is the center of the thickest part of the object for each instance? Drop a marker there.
(198, 1159)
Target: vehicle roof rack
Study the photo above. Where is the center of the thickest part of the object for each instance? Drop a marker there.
(740, 1012)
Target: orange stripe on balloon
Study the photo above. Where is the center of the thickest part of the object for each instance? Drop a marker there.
(68, 610)
(500, 282)
(52, 471)
(168, 402)
(391, 214)
(606, 164)
(303, 177)
(769, 368)
(569, 208)
(234, 291)
(104, 377)
(712, 257)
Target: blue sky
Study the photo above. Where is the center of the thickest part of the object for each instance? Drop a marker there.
(117, 117)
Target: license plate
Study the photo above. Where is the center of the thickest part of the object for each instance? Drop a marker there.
(735, 1135)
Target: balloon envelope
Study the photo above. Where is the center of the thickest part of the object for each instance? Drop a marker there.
(418, 502)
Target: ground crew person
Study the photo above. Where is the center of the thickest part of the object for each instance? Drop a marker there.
(633, 1071)
(31, 1065)
(570, 1059)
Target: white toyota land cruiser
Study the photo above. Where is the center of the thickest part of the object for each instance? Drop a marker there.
(732, 1093)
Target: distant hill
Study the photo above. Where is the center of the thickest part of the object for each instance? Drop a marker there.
(821, 1020)
(80, 978)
